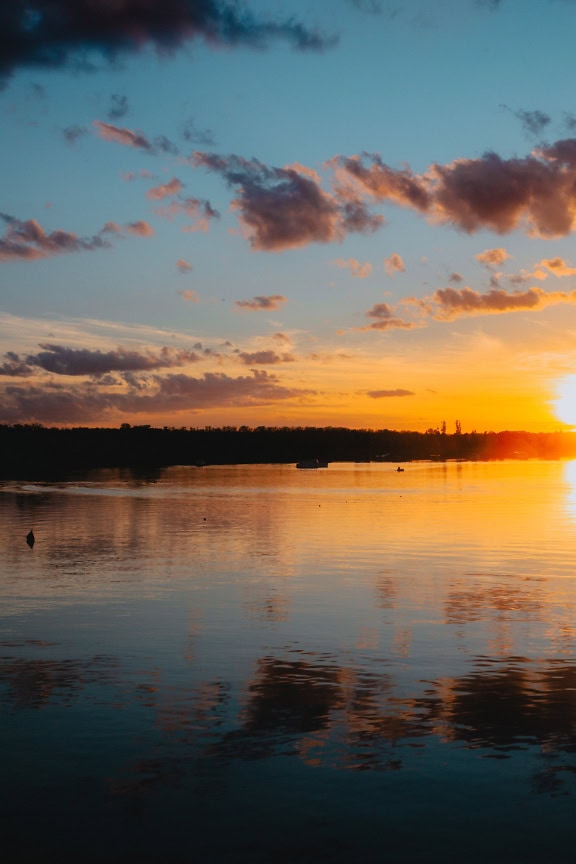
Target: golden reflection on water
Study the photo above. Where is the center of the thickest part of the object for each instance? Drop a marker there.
(344, 620)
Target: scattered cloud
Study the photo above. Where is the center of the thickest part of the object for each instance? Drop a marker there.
(193, 135)
(492, 257)
(533, 122)
(61, 360)
(121, 135)
(384, 319)
(198, 210)
(385, 394)
(87, 402)
(264, 358)
(452, 303)
(360, 271)
(394, 264)
(262, 303)
(183, 266)
(165, 190)
(190, 295)
(118, 107)
(57, 33)
(536, 193)
(27, 241)
(140, 228)
(285, 208)
(558, 267)
(72, 134)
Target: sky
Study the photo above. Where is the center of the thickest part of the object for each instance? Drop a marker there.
(288, 213)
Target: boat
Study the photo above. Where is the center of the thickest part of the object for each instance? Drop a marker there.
(308, 463)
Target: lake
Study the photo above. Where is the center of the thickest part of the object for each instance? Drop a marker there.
(260, 664)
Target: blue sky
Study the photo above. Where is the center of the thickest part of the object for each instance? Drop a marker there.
(332, 213)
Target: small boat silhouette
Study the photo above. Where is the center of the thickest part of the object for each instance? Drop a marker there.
(399, 469)
(30, 539)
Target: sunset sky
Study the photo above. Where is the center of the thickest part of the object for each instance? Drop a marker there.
(294, 212)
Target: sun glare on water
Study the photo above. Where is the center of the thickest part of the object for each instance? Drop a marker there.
(565, 403)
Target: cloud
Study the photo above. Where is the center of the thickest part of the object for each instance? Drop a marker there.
(122, 136)
(264, 358)
(27, 241)
(140, 228)
(394, 264)
(87, 402)
(60, 360)
(558, 267)
(60, 33)
(385, 319)
(452, 303)
(384, 183)
(190, 295)
(536, 193)
(165, 190)
(72, 134)
(360, 271)
(492, 257)
(385, 394)
(183, 266)
(284, 208)
(259, 303)
(533, 122)
(200, 211)
(202, 137)
(131, 138)
(118, 107)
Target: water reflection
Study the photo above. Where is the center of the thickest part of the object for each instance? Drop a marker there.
(248, 654)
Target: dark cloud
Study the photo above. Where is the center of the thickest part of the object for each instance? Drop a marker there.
(85, 403)
(201, 137)
(284, 208)
(533, 122)
(65, 33)
(373, 7)
(264, 358)
(262, 302)
(118, 107)
(83, 361)
(537, 192)
(72, 134)
(385, 394)
(28, 241)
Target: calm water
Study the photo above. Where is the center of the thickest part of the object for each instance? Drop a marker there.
(259, 664)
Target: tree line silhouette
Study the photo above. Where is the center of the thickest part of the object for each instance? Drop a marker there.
(32, 449)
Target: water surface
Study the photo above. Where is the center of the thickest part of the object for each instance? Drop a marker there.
(258, 664)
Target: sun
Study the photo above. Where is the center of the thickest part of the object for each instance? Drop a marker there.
(565, 402)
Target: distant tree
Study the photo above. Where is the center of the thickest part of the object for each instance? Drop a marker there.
(443, 427)
(458, 427)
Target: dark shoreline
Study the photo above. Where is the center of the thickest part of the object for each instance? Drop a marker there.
(33, 451)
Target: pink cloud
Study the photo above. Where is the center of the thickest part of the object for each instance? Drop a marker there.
(360, 271)
(140, 228)
(394, 264)
(120, 135)
(165, 190)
